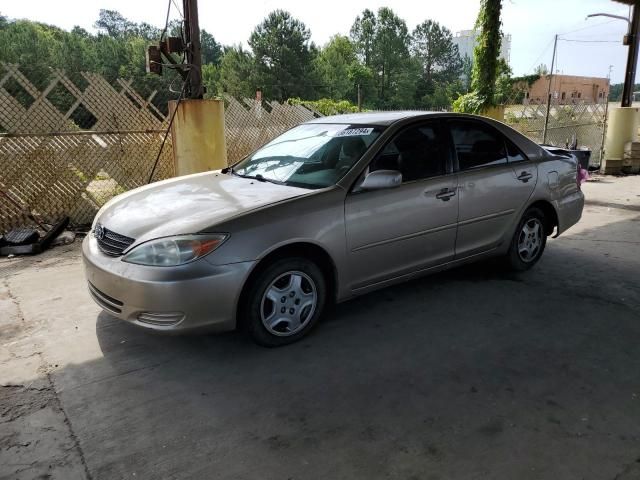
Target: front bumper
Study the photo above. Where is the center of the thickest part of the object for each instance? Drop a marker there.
(192, 297)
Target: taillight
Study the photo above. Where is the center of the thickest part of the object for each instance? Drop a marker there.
(578, 176)
(581, 175)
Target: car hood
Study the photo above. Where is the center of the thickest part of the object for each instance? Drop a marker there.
(188, 204)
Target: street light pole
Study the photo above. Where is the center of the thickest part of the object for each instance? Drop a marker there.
(631, 39)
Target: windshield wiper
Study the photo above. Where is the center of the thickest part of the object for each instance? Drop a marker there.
(259, 177)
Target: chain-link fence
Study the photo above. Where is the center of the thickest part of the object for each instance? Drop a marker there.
(250, 123)
(70, 142)
(580, 125)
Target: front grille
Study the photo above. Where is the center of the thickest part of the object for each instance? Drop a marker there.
(105, 301)
(110, 242)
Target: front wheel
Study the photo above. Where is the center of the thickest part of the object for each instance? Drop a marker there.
(284, 302)
(528, 242)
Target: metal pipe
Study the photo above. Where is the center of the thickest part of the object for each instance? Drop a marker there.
(80, 133)
(546, 117)
(606, 113)
(618, 17)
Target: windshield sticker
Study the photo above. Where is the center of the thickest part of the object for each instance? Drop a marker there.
(350, 132)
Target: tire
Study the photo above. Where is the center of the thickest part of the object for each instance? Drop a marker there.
(283, 302)
(528, 242)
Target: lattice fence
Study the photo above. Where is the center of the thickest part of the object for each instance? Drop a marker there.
(583, 122)
(250, 124)
(70, 145)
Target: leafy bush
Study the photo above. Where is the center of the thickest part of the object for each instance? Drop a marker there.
(326, 106)
(470, 102)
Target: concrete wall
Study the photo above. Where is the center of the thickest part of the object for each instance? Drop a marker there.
(566, 89)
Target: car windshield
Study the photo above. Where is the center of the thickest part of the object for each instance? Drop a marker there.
(313, 155)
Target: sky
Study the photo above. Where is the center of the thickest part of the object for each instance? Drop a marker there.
(586, 47)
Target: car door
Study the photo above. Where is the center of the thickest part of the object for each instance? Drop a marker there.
(495, 180)
(396, 231)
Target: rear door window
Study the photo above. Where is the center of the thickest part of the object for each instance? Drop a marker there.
(477, 145)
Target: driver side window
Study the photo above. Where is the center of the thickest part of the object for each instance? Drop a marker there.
(415, 152)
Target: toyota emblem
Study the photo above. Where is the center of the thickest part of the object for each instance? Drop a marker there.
(99, 232)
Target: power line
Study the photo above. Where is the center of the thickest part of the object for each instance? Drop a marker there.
(587, 27)
(166, 21)
(166, 133)
(178, 8)
(535, 63)
(589, 41)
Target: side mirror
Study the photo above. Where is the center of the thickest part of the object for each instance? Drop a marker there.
(380, 179)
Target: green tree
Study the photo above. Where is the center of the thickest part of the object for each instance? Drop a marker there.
(363, 35)
(114, 24)
(405, 88)
(487, 51)
(334, 65)
(211, 50)
(466, 72)
(432, 44)
(31, 45)
(541, 69)
(76, 52)
(391, 51)
(211, 80)
(505, 90)
(237, 72)
(361, 75)
(382, 43)
(146, 31)
(284, 56)
(485, 64)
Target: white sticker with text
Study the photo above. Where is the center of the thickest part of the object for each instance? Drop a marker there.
(351, 132)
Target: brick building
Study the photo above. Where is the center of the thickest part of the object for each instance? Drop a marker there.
(568, 89)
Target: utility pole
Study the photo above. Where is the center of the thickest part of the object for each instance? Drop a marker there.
(632, 40)
(359, 99)
(553, 65)
(194, 56)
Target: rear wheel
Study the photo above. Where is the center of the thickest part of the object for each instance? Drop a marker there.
(529, 241)
(284, 302)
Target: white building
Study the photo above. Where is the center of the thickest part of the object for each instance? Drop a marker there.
(466, 42)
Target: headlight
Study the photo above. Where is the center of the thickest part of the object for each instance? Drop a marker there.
(171, 251)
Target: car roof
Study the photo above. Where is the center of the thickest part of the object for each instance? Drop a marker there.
(372, 118)
(531, 149)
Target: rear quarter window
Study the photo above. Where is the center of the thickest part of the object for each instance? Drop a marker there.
(514, 154)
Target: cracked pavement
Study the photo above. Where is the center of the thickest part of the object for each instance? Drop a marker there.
(472, 373)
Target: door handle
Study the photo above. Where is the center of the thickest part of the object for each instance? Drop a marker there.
(445, 194)
(525, 177)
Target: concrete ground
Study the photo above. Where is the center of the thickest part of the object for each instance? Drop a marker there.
(474, 373)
